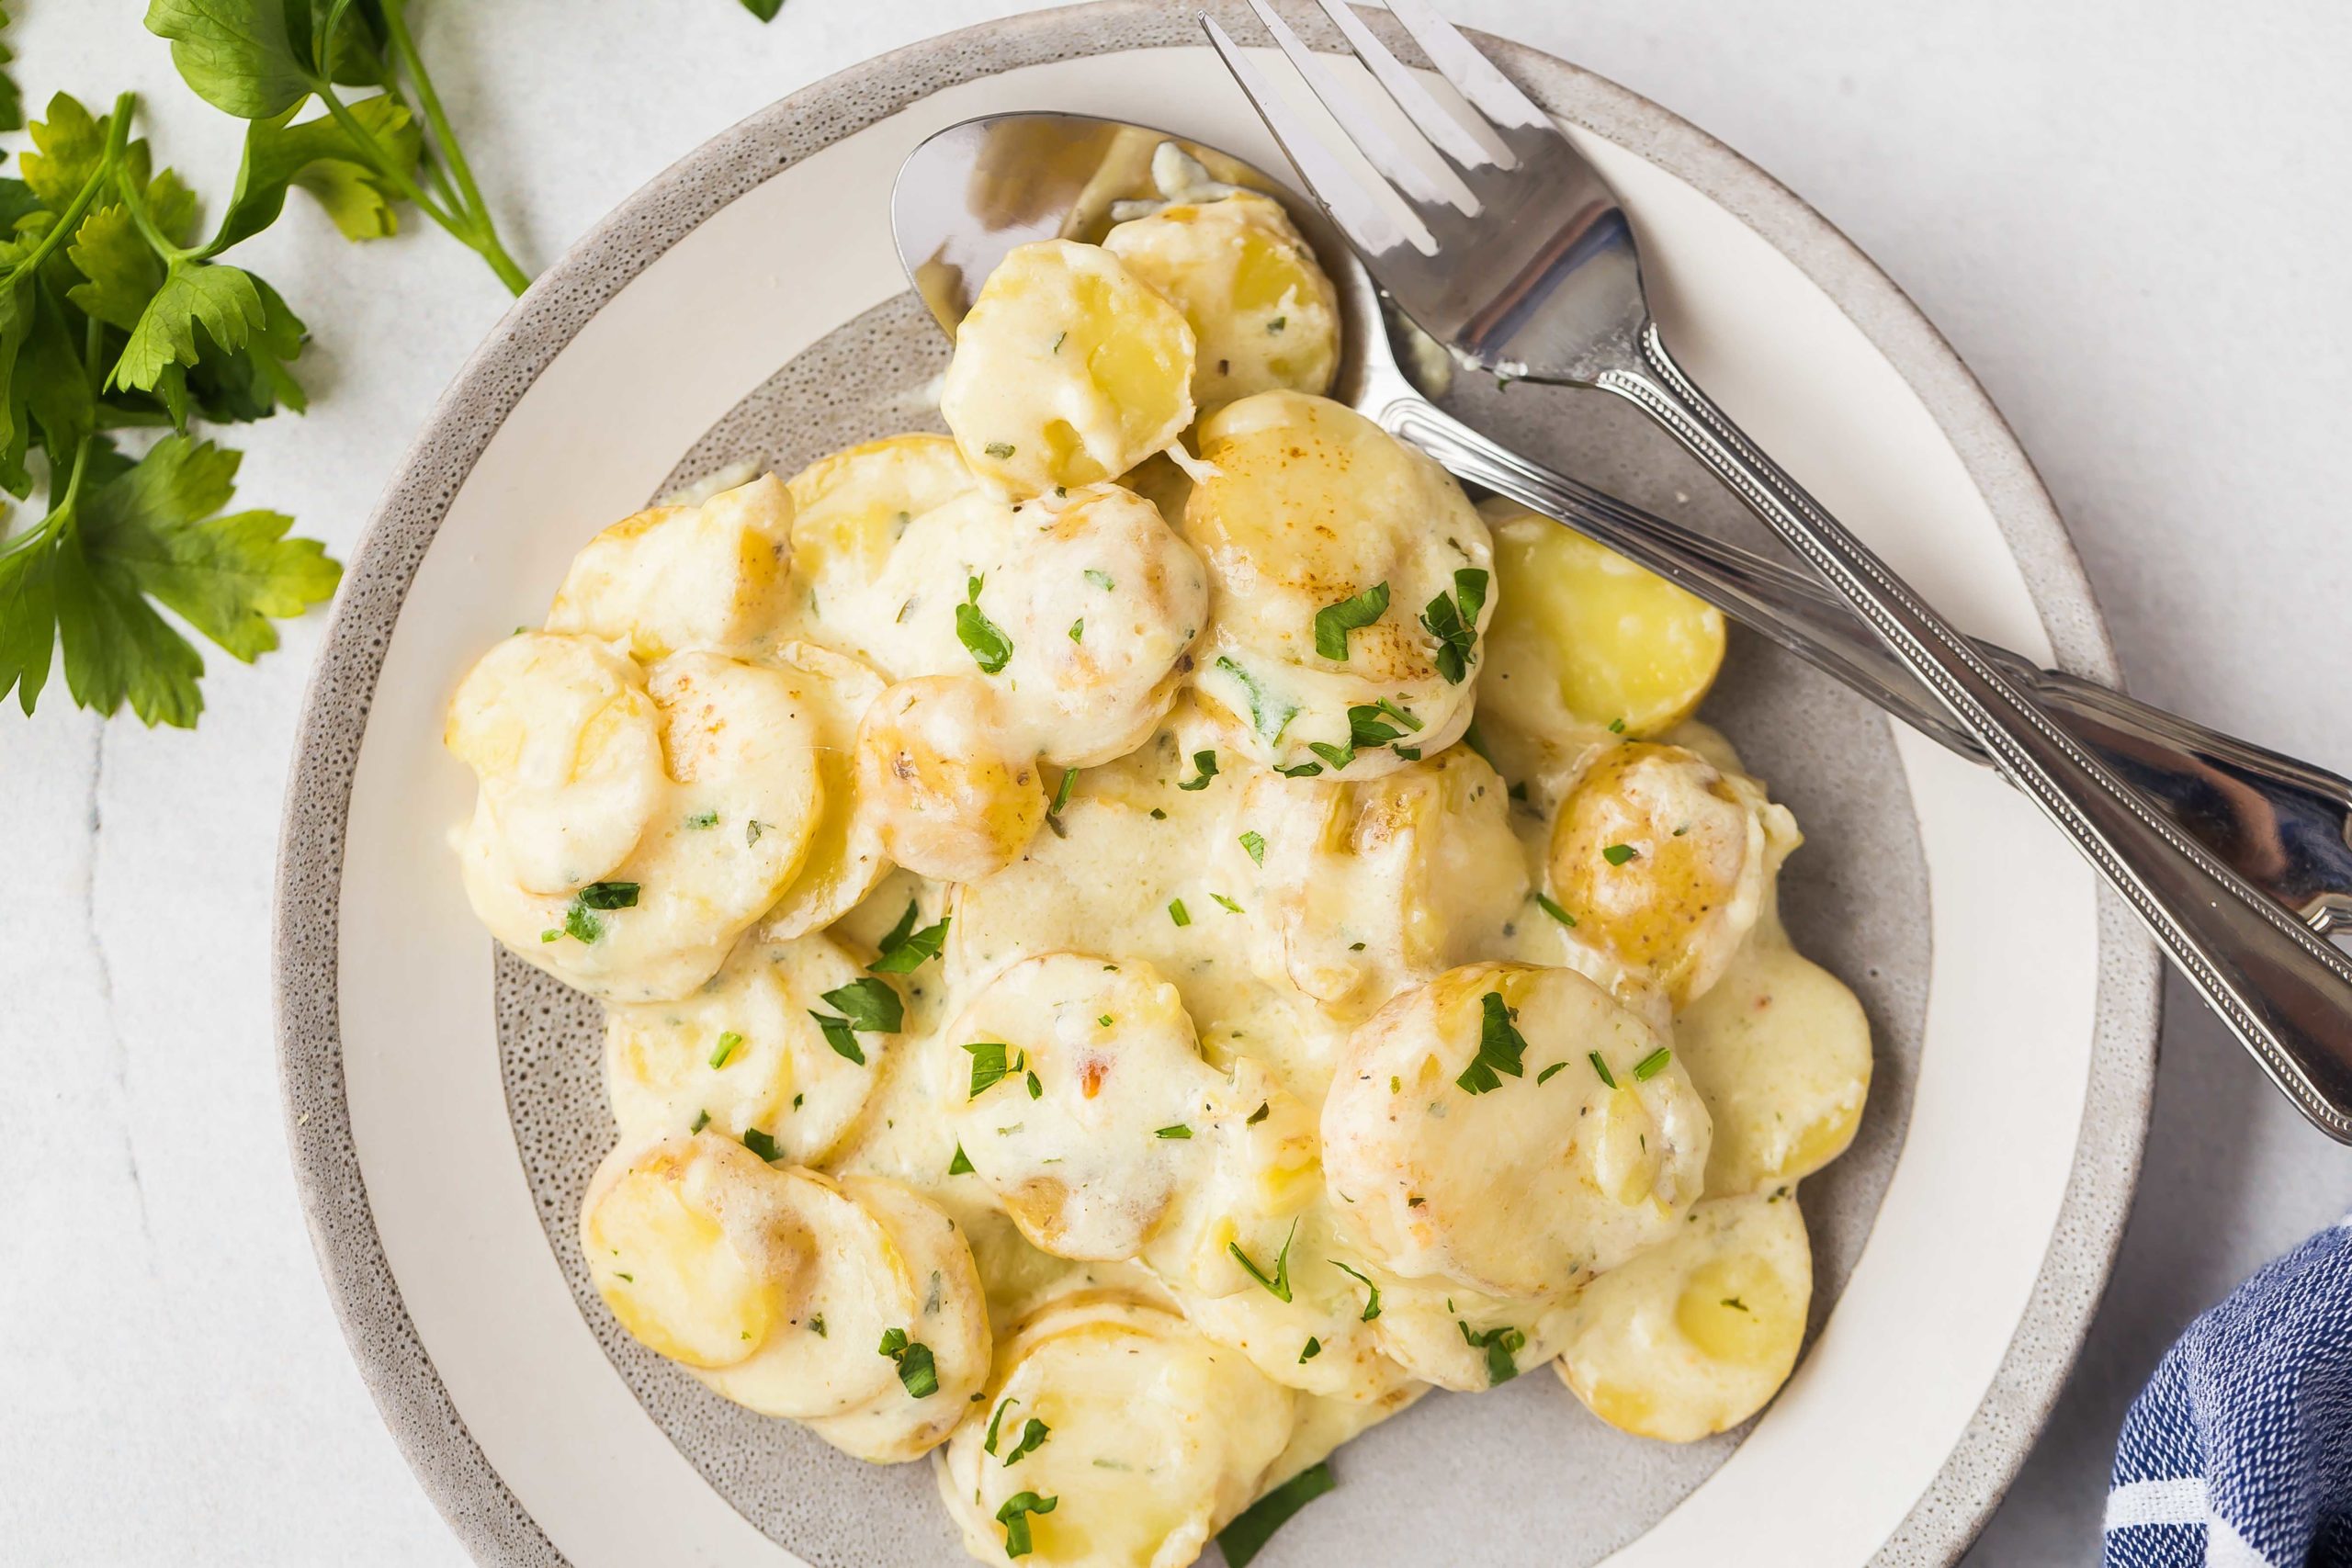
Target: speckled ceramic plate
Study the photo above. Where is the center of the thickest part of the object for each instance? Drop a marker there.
(445, 1107)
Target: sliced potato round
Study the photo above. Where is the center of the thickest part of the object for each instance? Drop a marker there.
(1582, 637)
(731, 833)
(954, 788)
(567, 746)
(1320, 1340)
(1362, 886)
(744, 1053)
(1693, 1337)
(711, 577)
(695, 1247)
(1453, 1153)
(1149, 1436)
(1263, 313)
(1067, 371)
(1076, 1092)
(1780, 1049)
(1311, 507)
(850, 511)
(1664, 860)
(846, 858)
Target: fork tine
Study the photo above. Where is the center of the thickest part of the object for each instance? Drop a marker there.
(1379, 149)
(1428, 115)
(1472, 75)
(1360, 215)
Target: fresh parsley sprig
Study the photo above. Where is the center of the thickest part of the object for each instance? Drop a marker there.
(263, 60)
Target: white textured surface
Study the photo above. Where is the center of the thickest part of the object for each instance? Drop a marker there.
(2127, 217)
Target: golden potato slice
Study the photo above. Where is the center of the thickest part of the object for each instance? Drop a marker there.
(1149, 1436)
(955, 793)
(1335, 554)
(849, 511)
(1693, 1337)
(672, 579)
(1664, 860)
(567, 748)
(1582, 637)
(1067, 371)
(1780, 1050)
(845, 857)
(1263, 313)
(1512, 1130)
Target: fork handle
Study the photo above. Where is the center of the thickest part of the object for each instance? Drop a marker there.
(2285, 992)
(2282, 824)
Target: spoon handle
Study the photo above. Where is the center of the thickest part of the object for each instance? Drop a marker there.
(2284, 825)
(2284, 991)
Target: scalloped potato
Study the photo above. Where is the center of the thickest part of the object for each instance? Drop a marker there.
(1067, 371)
(1080, 999)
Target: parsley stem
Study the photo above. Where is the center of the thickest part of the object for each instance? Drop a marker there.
(117, 144)
(393, 173)
(484, 239)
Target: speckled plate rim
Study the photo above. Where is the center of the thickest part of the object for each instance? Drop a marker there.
(455, 1471)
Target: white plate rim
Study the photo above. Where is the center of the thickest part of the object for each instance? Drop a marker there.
(451, 1466)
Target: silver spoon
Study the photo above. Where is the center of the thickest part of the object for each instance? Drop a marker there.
(973, 192)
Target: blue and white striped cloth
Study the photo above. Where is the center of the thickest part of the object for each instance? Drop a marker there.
(2239, 1452)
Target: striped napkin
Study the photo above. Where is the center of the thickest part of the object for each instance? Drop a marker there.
(2239, 1452)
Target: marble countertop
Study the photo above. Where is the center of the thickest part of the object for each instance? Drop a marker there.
(2128, 218)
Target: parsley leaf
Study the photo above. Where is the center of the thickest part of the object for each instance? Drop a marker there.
(961, 1165)
(1652, 1065)
(988, 645)
(1500, 1344)
(996, 1421)
(918, 1369)
(1501, 1048)
(609, 896)
(838, 1035)
(765, 10)
(1618, 854)
(1014, 1516)
(1246, 1536)
(1033, 1437)
(905, 949)
(992, 1061)
(1552, 909)
(1334, 622)
(761, 1144)
(869, 1004)
(1278, 1283)
(1454, 623)
(1255, 843)
(1371, 1306)
(1267, 717)
(1204, 764)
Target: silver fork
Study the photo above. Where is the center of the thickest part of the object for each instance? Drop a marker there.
(1539, 278)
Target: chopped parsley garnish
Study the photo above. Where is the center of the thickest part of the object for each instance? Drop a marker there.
(869, 1004)
(905, 949)
(1371, 1306)
(1033, 1438)
(1269, 724)
(1178, 1130)
(1000, 450)
(609, 896)
(918, 1372)
(1278, 323)
(1409, 753)
(1248, 1534)
(701, 1120)
(981, 637)
(1616, 727)
(1279, 1282)
(1228, 903)
(1015, 1518)
(1601, 1067)
(1036, 1090)
(1259, 1114)
(1300, 770)
(995, 1421)
(1500, 1344)
(1059, 338)
(1334, 622)
(1618, 854)
(702, 820)
(1077, 630)
(992, 1061)
(1178, 913)
(816, 1326)
(1061, 792)
(1734, 1304)
(1104, 1019)
(1205, 769)
(837, 1035)
(727, 1044)
(752, 831)
(962, 1164)
(1477, 743)
(1255, 843)
(761, 1144)
(1338, 756)
(1500, 1048)
(1552, 909)
(1454, 623)
(1101, 579)
(1369, 723)
(579, 924)
(580, 921)
(1157, 815)
(1652, 1065)
(1545, 1075)
(1314, 1349)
